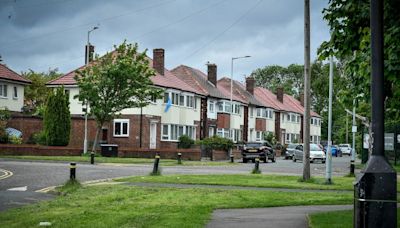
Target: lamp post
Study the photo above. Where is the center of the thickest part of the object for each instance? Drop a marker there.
(230, 118)
(328, 175)
(85, 146)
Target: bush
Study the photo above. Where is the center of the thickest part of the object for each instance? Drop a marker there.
(185, 142)
(14, 139)
(57, 119)
(216, 143)
(4, 117)
(37, 138)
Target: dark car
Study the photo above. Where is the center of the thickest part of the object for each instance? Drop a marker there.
(262, 150)
(290, 150)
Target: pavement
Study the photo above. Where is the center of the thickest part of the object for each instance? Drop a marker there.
(282, 217)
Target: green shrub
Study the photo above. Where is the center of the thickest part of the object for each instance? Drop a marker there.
(3, 135)
(14, 139)
(37, 138)
(216, 143)
(185, 142)
(57, 119)
(4, 117)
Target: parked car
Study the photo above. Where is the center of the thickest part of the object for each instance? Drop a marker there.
(345, 148)
(316, 153)
(290, 150)
(335, 151)
(262, 150)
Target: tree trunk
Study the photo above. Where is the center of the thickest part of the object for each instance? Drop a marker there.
(306, 122)
(96, 137)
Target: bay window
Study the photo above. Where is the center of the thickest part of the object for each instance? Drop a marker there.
(172, 132)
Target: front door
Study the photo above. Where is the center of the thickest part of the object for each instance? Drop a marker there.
(153, 135)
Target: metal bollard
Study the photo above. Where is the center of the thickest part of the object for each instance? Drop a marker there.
(257, 165)
(179, 158)
(72, 171)
(352, 168)
(156, 162)
(232, 158)
(92, 157)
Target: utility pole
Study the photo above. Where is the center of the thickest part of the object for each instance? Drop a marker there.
(328, 175)
(347, 128)
(354, 130)
(306, 121)
(375, 194)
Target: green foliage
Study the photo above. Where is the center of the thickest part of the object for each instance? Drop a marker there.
(69, 187)
(37, 138)
(36, 93)
(216, 143)
(116, 81)
(5, 115)
(57, 119)
(185, 142)
(270, 137)
(350, 43)
(14, 139)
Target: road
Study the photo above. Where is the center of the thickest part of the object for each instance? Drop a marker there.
(19, 180)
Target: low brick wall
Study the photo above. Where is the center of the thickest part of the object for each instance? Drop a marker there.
(187, 154)
(27, 149)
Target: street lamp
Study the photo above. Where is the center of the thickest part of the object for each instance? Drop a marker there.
(85, 146)
(230, 118)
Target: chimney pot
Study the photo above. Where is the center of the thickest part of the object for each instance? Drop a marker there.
(158, 60)
(279, 94)
(250, 84)
(212, 73)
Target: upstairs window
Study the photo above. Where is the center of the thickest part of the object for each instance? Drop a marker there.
(211, 106)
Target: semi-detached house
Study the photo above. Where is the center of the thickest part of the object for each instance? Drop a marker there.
(11, 89)
(152, 127)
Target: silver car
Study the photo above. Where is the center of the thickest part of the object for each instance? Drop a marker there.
(290, 150)
(345, 148)
(316, 153)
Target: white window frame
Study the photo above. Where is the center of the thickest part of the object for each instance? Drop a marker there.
(177, 131)
(15, 92)
(211, 106)
(121, 121)
(258, 136)
(251, 112)
(4, 92)
(211, 131)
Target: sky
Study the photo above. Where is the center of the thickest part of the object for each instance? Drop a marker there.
(48, 34)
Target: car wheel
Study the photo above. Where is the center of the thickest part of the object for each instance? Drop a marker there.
(323, 162)
(294, 159)
(311, 161)
(273, 159)
(244, 160)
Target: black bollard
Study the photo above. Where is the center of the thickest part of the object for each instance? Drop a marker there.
(92, 158)
(352, 169)
(72, 171)
(156, 162)
(232, 158)
(179, 158)
(257, 165)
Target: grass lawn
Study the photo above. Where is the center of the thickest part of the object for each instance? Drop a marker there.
(271, 181)
(127, 206)
(335, 219)
(163, 162)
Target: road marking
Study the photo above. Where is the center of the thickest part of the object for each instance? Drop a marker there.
(45, 190)
(6, 174)
(18, 189)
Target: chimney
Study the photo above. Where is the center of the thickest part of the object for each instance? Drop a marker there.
(158, 60)
(279, 94)
(91, 53)
(250, 83)
(301, 99)
(212, 73)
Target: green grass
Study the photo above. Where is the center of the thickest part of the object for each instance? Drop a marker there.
(271, 181)
(335, 219)
(125, 206)
(69, 187)
(163, 162)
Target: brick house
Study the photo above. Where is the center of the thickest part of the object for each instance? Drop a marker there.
(11, 89)
(150, 127)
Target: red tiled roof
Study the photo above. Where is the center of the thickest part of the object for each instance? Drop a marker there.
(8, 74)
(167, 80)
(224, 85)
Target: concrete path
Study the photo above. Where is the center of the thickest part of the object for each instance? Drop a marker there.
(274, 217)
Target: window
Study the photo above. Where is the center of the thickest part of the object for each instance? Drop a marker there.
(251, 112)
(181, 100)
(236, 109)
(258, 112)
(153, 99)
(224, 106)
(166, 95)
(236, 135)
(258, 136)
(121, 127)
(269, 113)
(312, 121)
(210, 132)
(298, 119)
(3, 90)
(165, 132)
(223, 133)
(211, 106)
(189, 101)
(15, 94)
(227, 107)
(288, 117)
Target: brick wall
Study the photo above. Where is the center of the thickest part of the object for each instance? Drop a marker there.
(26, 149)
(187, 154)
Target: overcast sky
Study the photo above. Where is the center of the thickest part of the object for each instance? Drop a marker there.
(43, 34)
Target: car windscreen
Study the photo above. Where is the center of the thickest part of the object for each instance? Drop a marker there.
(292, 146)
(253, 145)
(314, 147)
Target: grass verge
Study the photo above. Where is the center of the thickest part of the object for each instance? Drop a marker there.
(126, 206)
(335, 219)
(163, 162)
(69, 187)
(270, 181)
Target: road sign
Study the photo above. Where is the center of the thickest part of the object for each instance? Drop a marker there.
(389, 141)
(398, 138)
(354, 129)
(366, 141)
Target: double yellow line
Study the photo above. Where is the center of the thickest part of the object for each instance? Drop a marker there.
(6, 174)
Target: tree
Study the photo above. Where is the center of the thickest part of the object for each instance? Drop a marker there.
(35, 94)
(57, 119)
(116, 81)
(350, 43)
